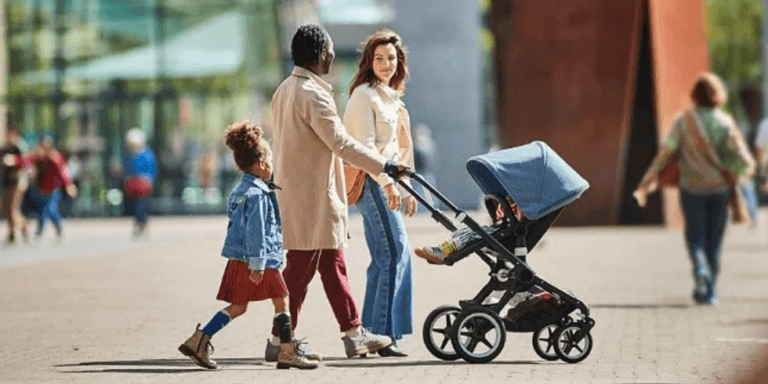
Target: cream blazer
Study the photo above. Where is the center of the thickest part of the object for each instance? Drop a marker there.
(371, 116)
(309, 145)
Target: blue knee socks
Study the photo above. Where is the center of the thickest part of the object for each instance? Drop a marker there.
(219, 320)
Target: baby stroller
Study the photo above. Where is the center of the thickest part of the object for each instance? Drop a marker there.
(541, 184)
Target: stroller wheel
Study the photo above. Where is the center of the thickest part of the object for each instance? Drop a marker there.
(571, 345)
(478, 335)
(437, 332)
(544, 342)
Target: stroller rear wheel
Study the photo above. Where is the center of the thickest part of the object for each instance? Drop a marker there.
(572, 345)
(478, 335)
(544, 342)
(437, 332)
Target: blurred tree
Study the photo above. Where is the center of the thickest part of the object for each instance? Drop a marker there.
(735, 29)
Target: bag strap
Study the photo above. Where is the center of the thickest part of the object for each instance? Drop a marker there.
(404, 139)
(696, 130)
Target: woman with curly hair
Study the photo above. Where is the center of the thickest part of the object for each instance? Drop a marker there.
(376, 116)
(254, 247)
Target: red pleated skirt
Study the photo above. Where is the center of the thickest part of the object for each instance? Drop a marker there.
(237, 287)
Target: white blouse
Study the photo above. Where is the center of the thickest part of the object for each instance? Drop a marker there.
(371, 117)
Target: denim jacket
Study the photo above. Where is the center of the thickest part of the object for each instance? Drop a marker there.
(254, 232)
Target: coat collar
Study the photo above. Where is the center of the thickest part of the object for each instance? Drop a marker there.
(247, 177)
(303, 72)
(390, 93)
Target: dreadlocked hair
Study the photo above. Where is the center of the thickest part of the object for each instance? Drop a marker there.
(308, 44)
(246, 140)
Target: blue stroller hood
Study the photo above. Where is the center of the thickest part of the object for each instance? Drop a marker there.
(534, 175)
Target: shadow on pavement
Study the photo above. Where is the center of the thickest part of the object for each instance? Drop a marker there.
(746, 322)
(642, 306)
(141, 370)
(161, 362)
(379, 364)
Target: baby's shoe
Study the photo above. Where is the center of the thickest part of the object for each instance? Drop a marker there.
(291, 357)
(434, 255)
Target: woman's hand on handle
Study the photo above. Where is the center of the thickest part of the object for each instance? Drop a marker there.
(393, 196)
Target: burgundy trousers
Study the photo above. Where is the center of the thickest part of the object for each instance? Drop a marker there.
(301, 267)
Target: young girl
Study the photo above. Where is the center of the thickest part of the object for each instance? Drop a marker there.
(254, 247)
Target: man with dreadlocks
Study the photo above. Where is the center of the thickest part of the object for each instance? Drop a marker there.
(310, 143)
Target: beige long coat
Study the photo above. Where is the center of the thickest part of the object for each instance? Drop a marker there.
(309, 145)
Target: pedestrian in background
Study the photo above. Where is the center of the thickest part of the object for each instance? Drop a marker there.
(254, 247)
(761, 156)
(310, 143)
(376, 116)
(50, 177)
(13, 182)
(712, 156)
(752, 102)
(139, 174)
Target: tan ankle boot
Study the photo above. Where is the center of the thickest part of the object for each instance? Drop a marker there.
(196, 347)
(291, 357)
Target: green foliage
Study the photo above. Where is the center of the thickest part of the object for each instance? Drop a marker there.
(735, 28)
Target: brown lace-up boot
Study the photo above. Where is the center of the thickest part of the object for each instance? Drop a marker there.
(196, 347)
(291, 357)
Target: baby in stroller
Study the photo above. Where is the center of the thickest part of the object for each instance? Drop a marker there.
(526, 189)
(461, 237)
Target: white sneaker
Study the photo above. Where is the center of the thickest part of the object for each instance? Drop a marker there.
(364, 342)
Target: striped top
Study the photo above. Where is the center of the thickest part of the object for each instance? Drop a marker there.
(698, 174)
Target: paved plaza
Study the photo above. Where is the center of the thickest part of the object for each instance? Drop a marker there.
(100, 307)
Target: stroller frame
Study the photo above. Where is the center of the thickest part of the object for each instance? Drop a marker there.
(557, 335)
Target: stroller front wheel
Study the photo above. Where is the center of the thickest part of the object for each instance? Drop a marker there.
(437, 332)
(544, 342)
(572, 344)
(478, 335)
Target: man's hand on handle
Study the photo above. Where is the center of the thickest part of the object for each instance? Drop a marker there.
(396, 170)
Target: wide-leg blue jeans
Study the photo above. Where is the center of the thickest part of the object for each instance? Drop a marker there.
(706, 216)
(388, 305)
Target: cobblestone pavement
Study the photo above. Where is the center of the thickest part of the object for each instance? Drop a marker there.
(100, 307)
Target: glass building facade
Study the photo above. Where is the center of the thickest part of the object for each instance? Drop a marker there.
(86, 71)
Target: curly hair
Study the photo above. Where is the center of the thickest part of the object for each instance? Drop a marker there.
(246, 140)
(307, 45)
(365, 67)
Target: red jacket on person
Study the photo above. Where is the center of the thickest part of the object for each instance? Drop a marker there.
(52, 173)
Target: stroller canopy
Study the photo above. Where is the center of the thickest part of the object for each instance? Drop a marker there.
(534, 175)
